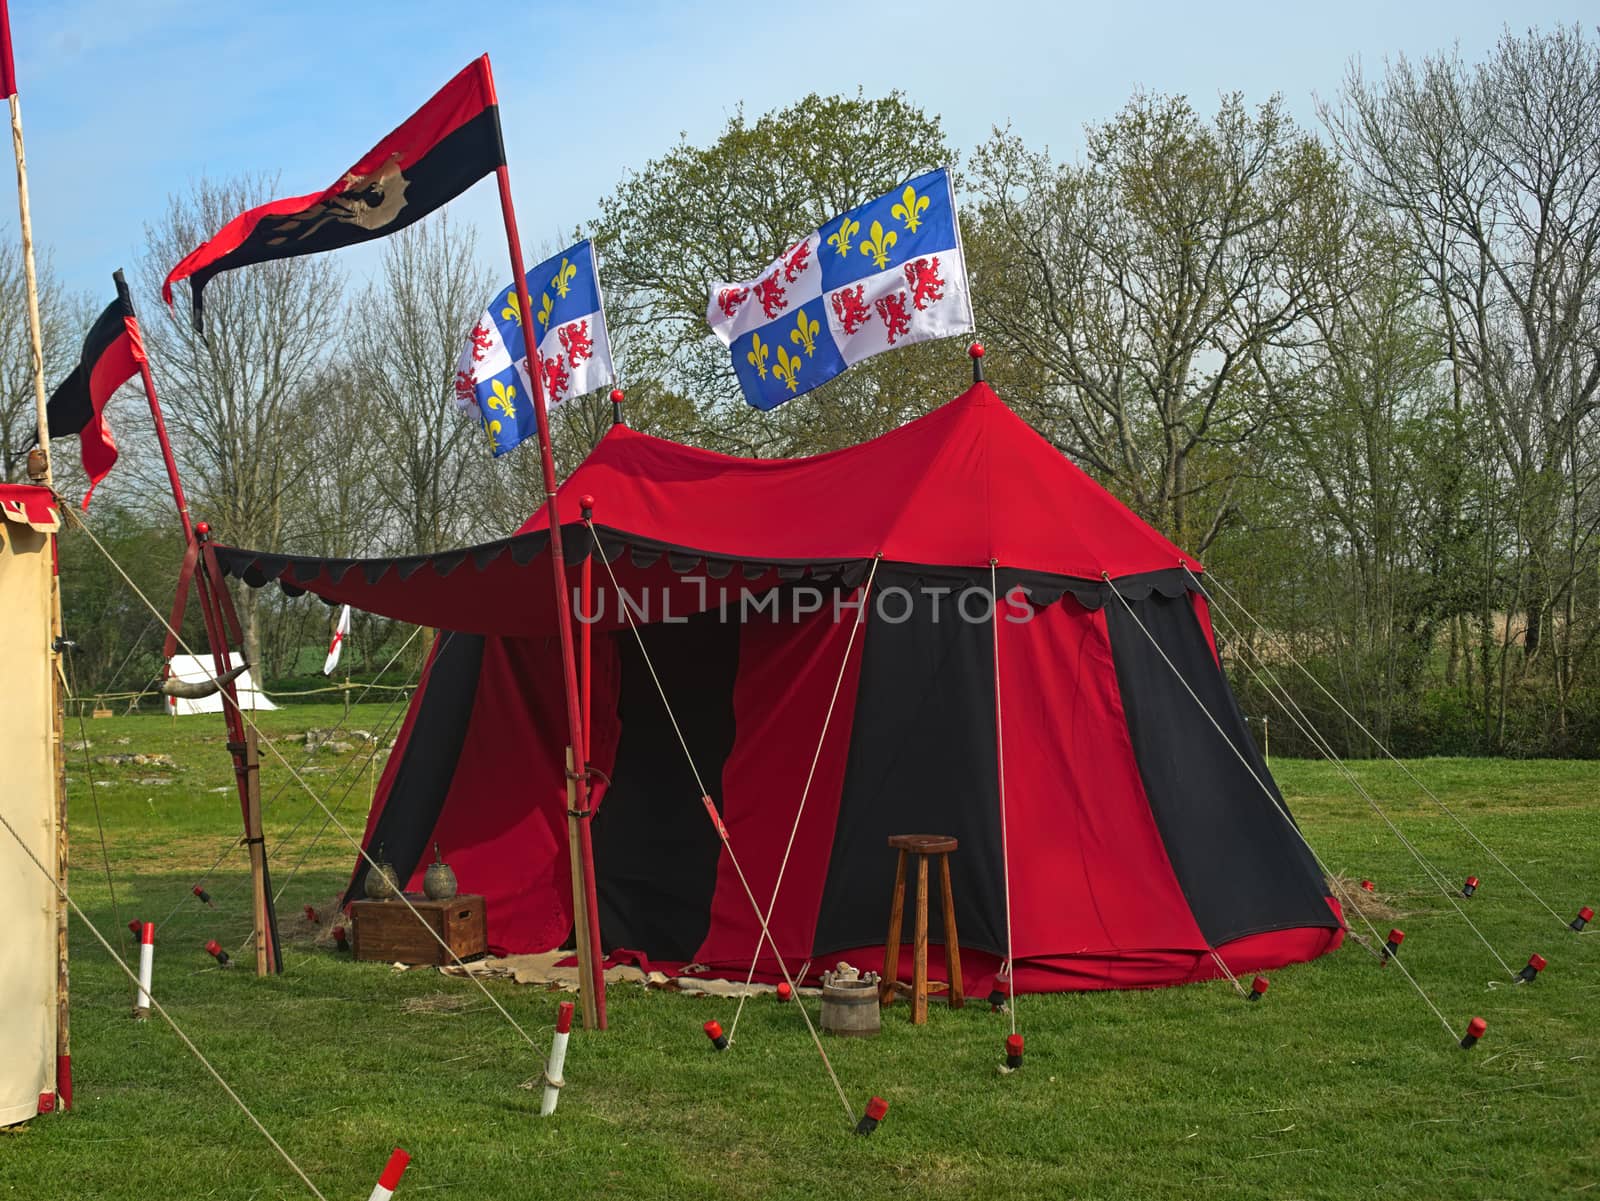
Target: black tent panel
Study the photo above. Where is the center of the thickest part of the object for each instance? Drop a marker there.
(655, 851)
(1240, 865)
(428, 762)
(922, 761)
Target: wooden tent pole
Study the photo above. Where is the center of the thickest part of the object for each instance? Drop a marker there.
(580, 901)
(255, 841)
(222, 631)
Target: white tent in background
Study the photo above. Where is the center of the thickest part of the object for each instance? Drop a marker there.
(192, 669)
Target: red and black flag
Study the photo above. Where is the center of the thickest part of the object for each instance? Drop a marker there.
(444, 148)
(111, 356)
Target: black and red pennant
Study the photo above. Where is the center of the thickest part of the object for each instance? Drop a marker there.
(440, 151)
(111, 355)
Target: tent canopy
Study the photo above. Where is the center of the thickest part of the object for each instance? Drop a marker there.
(968, 485)
(1109, 835)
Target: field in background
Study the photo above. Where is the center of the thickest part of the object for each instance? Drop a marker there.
(1340, 1084)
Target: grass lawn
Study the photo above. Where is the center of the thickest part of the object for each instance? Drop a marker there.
(1340, 1084)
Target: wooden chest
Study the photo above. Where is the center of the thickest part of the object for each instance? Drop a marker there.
(388, 932)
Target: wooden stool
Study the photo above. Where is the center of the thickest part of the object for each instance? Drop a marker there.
(922, 846)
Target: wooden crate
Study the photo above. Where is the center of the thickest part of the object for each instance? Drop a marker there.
(388, 932)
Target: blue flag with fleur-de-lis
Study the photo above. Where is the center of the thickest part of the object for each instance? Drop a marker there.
(569, 320)
(887, 273)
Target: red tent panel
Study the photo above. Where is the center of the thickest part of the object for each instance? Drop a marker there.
(1089, 873)
(787, 674)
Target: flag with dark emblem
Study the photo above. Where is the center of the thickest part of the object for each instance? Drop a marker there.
(111, 356)
(886, 274)
(440, 151)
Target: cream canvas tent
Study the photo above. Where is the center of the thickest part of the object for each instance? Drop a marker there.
(193, 669)
(29, 954)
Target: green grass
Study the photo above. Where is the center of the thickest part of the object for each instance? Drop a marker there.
(1341, 1084)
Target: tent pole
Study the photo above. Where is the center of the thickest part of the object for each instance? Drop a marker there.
(216, 608)
(586, 622)
(580, 900)
(579, 785)
(222, 631)
(591, 903)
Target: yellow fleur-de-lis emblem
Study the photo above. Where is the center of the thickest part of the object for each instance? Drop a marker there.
(879, 244)
(786, 367)
(841, 241)
(493, 430)
(513, 309)
(563, 279)
(545, 307)
(804, 334)
(758, 355)
(910, 209)
(503, 399)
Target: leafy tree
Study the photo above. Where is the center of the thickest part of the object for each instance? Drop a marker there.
(1495, 169)
(1146, 289)
(702, 214)
(61, 329)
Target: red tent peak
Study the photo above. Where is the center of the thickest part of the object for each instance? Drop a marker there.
(968, 484)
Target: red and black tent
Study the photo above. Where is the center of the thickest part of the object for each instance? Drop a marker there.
(1050, 733)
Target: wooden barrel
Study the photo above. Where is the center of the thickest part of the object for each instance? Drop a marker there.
(850, 1008)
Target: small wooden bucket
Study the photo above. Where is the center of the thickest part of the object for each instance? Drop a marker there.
(850, 1006)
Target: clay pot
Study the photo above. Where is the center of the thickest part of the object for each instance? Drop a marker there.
(439, 881)
(382, 882)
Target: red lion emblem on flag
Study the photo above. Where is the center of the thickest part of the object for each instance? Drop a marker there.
(576, 342)
(923, 280)
(481, 341)
(794, 262)
(556, 379)
(849, 308)
(892, 312)
(769, 292)
(466, 388)
(729, 300)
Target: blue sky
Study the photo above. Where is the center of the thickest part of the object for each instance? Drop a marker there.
(125, 101)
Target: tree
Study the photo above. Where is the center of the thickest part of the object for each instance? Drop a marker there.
(697, 215)
(1364, 450)
(406, 331)
(61, 329)
(1495, 169)
(234, 397)
(1145, 291)
(116, 641)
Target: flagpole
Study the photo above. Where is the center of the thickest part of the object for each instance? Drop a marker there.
(43, 475)
(589, 958)
(31, 278)
(198, 572)
(137, 335)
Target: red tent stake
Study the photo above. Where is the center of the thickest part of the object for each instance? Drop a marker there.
(390, 1180)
